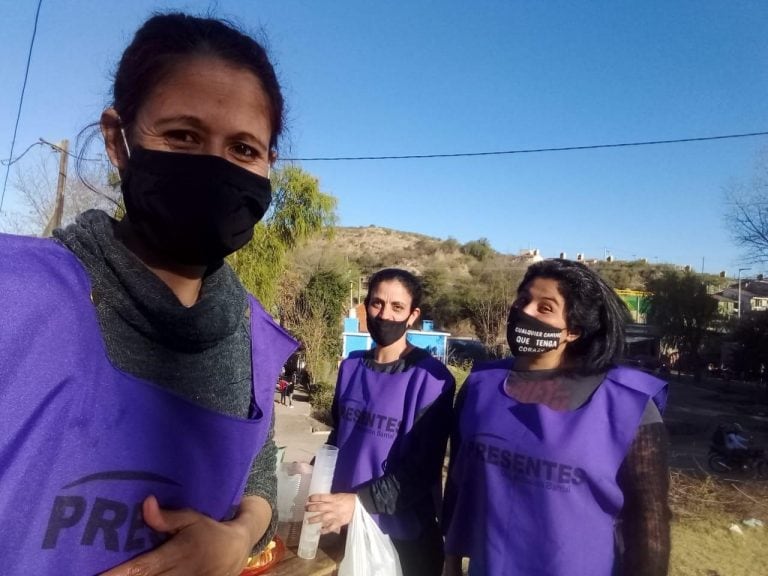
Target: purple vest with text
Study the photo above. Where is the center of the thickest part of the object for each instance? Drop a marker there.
(82, 443)
(533, 491)
(376, 411)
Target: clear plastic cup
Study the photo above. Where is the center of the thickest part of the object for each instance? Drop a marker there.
(287, 489)
(322, 479)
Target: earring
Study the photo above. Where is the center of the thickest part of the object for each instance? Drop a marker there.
(125, 142)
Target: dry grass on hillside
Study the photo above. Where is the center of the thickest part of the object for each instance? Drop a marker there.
(380, 247)
(373, 238)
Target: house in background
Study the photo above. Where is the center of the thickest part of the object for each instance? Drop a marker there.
(726, 305)
(758, 290)
(754, 297)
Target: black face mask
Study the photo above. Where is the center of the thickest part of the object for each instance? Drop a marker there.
(386, 332)
(528, 336)
(191, 208)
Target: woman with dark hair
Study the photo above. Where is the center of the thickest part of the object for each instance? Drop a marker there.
(392, 414)
(559, 456)
(136, 373)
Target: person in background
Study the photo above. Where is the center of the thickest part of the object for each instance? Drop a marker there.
(735, 439)
(559, 456)
(290, 389)
(282, 385)
(136, 373)
(737, 443)
(392, 414)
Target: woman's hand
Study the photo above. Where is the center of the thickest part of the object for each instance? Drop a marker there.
(333, 510)
(198, 544)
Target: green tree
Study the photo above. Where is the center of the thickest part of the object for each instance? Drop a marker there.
(487, 297)
(683, 311)
(478, 249)
(325, 293)
(751, 339)
(450, 245)
(442, 301)
(315, 318)
(299, 211)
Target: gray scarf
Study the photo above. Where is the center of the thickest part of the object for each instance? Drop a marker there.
(122, 283)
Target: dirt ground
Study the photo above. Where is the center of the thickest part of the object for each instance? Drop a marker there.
(709, 536)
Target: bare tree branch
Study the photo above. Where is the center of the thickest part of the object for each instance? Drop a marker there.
(34, 182)
(747, 213)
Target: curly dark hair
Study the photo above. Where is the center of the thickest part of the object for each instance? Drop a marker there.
(592, 309)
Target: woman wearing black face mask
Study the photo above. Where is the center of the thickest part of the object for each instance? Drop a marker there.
(392, 412)
(136, 373)
(558, 459)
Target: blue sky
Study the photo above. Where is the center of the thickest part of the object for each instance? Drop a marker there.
(432, 77)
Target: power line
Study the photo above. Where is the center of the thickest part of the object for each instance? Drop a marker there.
(12, 161)
(67, 152)
(21, 102)
(56, 147)
(526, 151)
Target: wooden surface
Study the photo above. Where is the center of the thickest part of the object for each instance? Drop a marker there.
(329, 554)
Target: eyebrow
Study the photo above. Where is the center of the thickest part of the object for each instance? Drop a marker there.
(194, 120)
(391, 302)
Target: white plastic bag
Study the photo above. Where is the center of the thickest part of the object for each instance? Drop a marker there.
(369, 552)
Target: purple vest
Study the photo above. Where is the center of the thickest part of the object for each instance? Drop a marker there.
(82, 443)
(375, 413)
(533, 491)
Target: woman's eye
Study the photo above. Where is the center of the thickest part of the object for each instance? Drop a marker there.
(180, 137)
(245, 151)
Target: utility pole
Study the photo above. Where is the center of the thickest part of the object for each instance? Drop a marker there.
(58, 209)
(359, 287)
(740, 271)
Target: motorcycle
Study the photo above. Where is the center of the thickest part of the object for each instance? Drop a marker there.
(750, 461)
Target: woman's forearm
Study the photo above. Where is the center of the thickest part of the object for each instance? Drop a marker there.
(255, 515)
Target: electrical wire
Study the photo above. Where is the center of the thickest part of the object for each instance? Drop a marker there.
(12, 161)
(68, 153)
(7, 162)
(21, 103)
(526, 150)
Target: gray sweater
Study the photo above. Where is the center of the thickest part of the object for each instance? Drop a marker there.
(202, 353)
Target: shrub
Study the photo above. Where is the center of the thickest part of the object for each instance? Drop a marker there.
(460, 372)
(450, 245)
(478, 249)
(321, 400)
